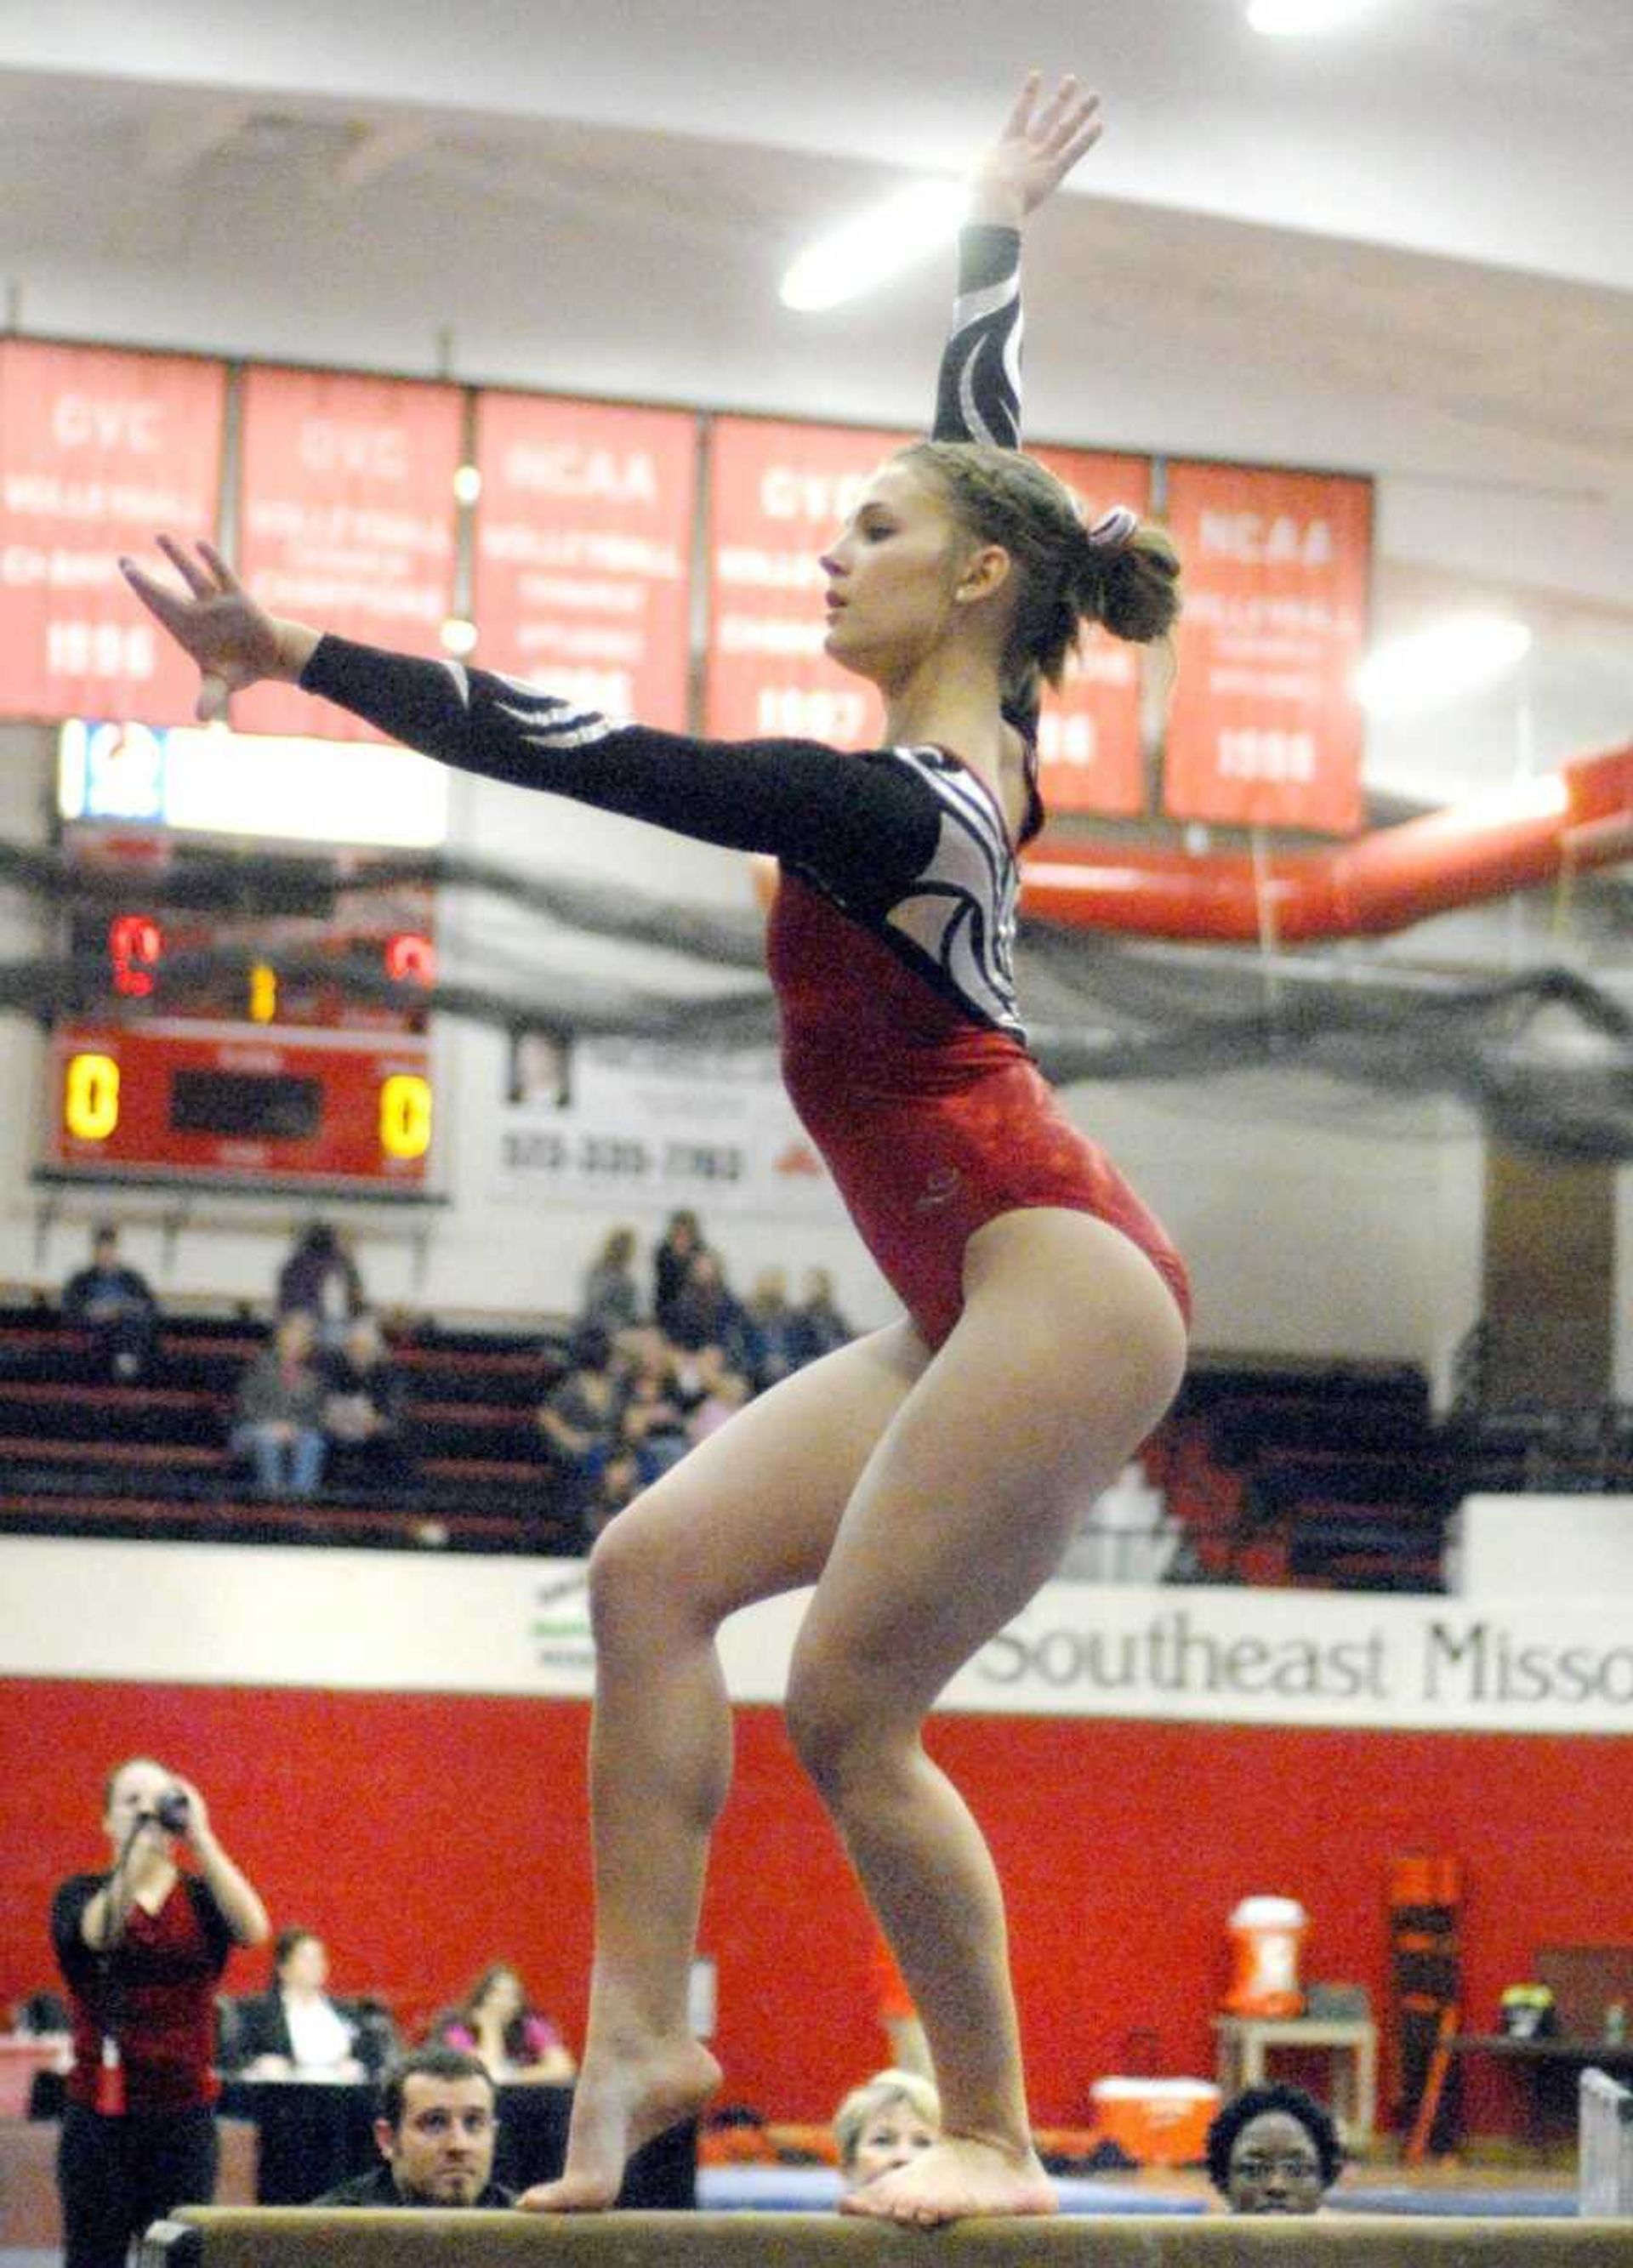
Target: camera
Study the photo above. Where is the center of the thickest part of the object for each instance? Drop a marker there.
(173, 1812)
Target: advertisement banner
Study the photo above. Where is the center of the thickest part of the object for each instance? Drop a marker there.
(395, 1621)
(583, 547)
(634, 1124)
(1263, 730)
(102, 449)
(346, 521)
(1088, 737)
(779, 495)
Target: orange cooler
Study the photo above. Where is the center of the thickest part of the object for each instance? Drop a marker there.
(1158, 2122)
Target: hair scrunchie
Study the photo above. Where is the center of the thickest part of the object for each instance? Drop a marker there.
(1113, 532)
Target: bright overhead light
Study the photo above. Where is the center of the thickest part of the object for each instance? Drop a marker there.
(876, 246)
(1431, 667)
(1294, 19)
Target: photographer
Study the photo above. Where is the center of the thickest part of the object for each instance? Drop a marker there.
(141, 1948)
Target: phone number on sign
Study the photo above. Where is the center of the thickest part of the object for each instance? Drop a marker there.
(620, 1159)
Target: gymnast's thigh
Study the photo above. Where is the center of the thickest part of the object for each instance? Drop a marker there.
(753, 1510)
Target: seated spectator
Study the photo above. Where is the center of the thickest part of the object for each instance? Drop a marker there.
(435, 2134)
(819, 1327)
(775, 1331)
(705, 1312)
(278, 1413)
(578, 1418)
(671, 1263)
(611, 1295)
(364, 1405)
(652, 1413)
(721, 1392)
(321, 1276)
(618, 1483)
(296, 2031)
(885, 2123)
(1274, 2149)
(517, 2045)
(116, 1305)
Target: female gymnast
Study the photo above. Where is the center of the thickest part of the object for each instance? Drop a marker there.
(924, 1479)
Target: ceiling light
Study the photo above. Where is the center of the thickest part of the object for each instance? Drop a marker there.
(1431, 667)
(876, 246)
(1294, 19)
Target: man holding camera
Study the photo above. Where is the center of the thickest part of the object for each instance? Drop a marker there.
(141, 1949)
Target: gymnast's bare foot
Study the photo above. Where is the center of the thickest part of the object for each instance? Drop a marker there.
(621, 2101)
(957, 2179)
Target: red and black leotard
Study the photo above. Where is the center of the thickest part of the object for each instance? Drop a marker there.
(893, 931)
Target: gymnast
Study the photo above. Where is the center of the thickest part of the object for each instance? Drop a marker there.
(924, 1479)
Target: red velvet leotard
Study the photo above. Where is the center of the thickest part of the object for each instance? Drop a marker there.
(931, 1125)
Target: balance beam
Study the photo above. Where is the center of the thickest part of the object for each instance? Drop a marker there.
(228, 2236)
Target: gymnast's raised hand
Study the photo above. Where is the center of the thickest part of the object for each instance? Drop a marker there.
(232, 638)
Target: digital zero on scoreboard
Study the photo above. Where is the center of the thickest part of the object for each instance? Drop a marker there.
(168, 1100)
(264, 954)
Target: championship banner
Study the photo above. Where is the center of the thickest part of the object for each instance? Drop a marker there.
(345, 521)
(1263, 730)
(615, 1123)
(583, 544)
(1089, 738)
(778, 495)
(101, 451)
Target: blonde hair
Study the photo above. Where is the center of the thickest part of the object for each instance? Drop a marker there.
(1123, 574)
(864, 2103)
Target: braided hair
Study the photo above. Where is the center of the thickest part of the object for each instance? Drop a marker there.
(1123, 572)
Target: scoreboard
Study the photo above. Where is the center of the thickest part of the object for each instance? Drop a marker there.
(242, 1048)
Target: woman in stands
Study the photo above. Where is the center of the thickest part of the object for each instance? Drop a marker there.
(141, 1949)
(925, 1477)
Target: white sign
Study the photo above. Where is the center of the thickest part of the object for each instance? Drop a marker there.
(617, 1123)
(385, 1622)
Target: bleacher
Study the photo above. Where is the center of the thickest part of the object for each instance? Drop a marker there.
(80, 1456)
(1328, 1475)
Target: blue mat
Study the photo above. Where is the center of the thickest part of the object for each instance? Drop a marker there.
(815, 2189)
(1467, 2205)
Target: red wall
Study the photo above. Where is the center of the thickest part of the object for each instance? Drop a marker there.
(422, 1836)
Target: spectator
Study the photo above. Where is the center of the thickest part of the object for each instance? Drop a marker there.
(364, 1405)
(652, 1416)
(579, 1418)
(706, 1313)
(885, 2123)
(435, 2134)
(279, 1417)
(671, 1263)
(1274, 2149)
(722, 1392)
(517, 2045)
(321, 1276)
(140, 1950)
(819, 1327)
(116, 1305)
(618, 1483)
(774, 1328)
(296, 2031)
(611, 1295)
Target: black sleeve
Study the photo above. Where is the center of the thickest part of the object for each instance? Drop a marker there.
(978, 393)
(74, 1957)
(865, 820)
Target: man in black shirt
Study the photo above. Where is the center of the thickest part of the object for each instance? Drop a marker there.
(436, 2132)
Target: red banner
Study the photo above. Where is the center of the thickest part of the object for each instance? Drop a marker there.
(583, 547)
(1088, 737)
(779, 495)
(102, 450)
(1263, 730)
(346, 520)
